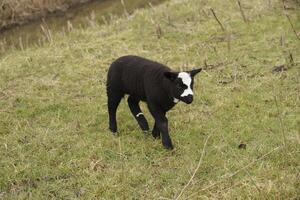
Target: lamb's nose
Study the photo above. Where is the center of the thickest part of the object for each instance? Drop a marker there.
(189, 99)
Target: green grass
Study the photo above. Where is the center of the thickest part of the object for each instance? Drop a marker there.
(54, 140)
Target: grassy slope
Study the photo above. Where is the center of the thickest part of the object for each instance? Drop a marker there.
(54, 141)
(14, 12)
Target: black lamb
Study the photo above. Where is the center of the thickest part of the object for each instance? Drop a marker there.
(151, 82)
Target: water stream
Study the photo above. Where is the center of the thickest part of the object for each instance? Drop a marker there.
(99, 11)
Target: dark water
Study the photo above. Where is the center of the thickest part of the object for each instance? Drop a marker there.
(38, 32)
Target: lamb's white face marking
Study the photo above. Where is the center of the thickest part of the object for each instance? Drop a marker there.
(187, 80)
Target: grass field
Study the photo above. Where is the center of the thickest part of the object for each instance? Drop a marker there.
(54, 138)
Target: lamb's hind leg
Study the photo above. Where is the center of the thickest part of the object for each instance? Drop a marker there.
(135, 109)
(114, 98)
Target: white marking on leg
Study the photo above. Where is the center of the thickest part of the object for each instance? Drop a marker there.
(175, 100)
(187, 80)
(139, 114)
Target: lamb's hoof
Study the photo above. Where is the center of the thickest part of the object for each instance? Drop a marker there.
(156, 137)
(113, 131)
(168, 146)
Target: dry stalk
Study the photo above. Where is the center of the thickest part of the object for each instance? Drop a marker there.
(280, 119)
(46, 31)
(253, 181)
(289, 19)
(221, 25)
(150, 5)
(228, 44)
(125, 9)
(104, 20)
(235, 173)
(246, 170)
(158, 31)
(242, 11)
(282, 41)
(291, 59)
(21, 43)
(283, 4)
(195, 171)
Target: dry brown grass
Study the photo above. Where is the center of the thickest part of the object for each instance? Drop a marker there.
(14, 12)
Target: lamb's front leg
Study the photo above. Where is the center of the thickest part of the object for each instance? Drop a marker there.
(155, 131)
(162, 123)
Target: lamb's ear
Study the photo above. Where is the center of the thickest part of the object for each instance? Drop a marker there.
(171, 75)
(195, 71)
